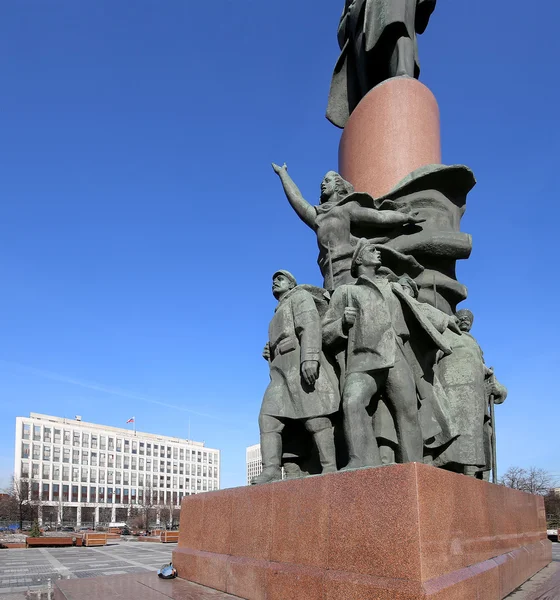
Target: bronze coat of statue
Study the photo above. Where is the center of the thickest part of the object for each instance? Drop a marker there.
(303, 385)
(342, 214)
(378, 40)
(368, 320)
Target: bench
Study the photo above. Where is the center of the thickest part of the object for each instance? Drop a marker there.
(94, 539)
(41, 542)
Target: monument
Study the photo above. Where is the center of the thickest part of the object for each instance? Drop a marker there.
(380, 405)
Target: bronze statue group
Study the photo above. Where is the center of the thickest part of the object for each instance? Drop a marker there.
(376, 367)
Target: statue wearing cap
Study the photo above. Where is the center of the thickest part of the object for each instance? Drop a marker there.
(303, 385)
(468, 383)
(369, 323)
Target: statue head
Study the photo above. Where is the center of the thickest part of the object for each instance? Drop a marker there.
(409, 286)
(334, 187)
(282, 283)
(466, 319)
(366, 258)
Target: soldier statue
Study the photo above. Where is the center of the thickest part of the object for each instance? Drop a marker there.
(303, 386)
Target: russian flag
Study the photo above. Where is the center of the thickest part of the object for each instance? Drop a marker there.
(131, 420)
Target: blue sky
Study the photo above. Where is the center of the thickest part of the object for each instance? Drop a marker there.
(141, 220)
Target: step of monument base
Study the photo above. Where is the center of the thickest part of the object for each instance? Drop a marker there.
(257, 579)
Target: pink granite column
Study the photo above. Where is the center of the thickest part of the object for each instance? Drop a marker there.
(393, 131)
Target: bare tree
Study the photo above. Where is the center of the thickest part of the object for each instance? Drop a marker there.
(552, 508)
(18, 505)
(532, 480)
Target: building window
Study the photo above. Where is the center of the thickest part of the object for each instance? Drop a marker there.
(85, 457)
(84, 493)
(75, 474)
(25, 450)
(140, 479)
(126, 462)
(175, 453)
(75, 457)
(117, 495)
(36, 433)
(47, 434)
(111, 443)
(67, 437)
(102, 459)
(119, 445)
(65, 474)
(26, 431)
(204, 471)
(119, 461)
(111, 460)
(25, 469)
(148, 464)
(187, 469)
(148, 449)
(84, 475)
(101, 494)
(133, 478)
(92, 475)
(65, 491)
(35, 470)
(66, 455)
(102, 442)
(168, 481)
(76, 439)
(182, 454)
(198, 470)
(55, 491)
(74, 493)
(46, 471)
(126, 478)
(117, 477)
(101, 476)
(205, 457)
(94, 459)
(155, 450)
(57, 436)
(168, 451)
(109, 476)
(56, 454)
(92, 494)
(93, 441)
(126, 497)
(134, 463)
(85, 440)
(110, 495)
(36, 452)
(141, 464)
(56, 472)
(127, 446)
(216, 472)
(133, 496)
(45, 494)
(35, 490)
(174, 468)
(134, 447)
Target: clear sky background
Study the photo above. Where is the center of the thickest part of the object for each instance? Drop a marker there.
(141, 221)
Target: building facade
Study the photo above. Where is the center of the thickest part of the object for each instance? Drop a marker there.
(254, 461)
(77, 472)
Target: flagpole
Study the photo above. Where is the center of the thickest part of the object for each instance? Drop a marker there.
(134, 425)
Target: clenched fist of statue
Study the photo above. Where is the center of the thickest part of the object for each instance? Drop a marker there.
(266, 351)
(350, 315)
(310, 371)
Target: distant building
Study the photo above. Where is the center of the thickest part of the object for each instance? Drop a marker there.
(78, 472)
(254, 462)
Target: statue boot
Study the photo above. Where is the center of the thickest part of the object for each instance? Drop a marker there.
(324, 440)
(271, 450)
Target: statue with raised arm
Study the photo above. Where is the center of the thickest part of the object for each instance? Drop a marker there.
(341, 219)
(377, 39)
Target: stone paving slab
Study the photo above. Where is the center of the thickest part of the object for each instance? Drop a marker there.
(32, 569)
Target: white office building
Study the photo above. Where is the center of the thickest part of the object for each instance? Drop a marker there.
(77, 472)
(254, 461)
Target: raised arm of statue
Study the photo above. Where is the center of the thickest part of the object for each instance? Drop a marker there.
(303, 209)
(382, 218)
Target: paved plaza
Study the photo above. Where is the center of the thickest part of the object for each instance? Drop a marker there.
(31, 569)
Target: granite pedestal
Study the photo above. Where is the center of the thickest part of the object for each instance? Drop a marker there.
(401, 532)
(393, 131)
